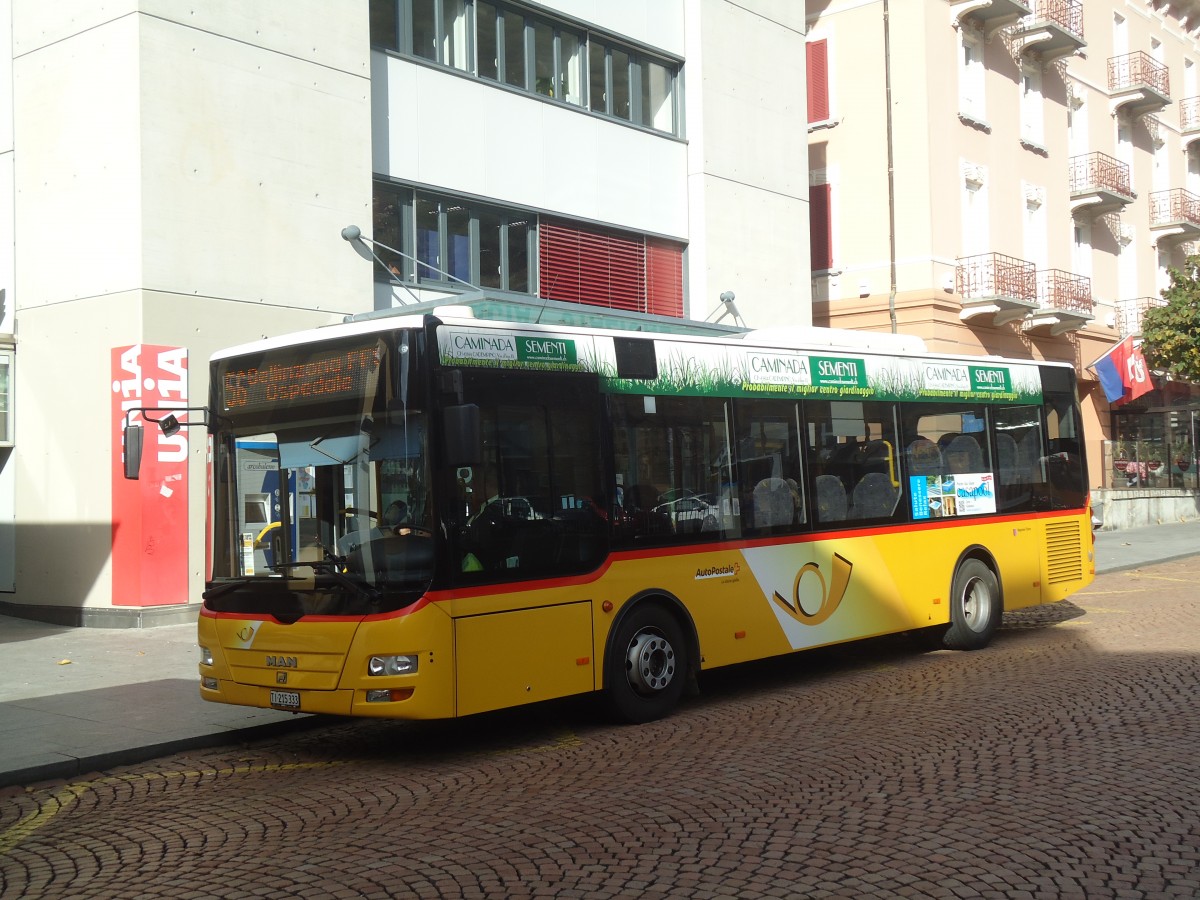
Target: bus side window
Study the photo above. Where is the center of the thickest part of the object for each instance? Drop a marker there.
(673, 468)
(855, 442)
(770, 473)
(1018, 448)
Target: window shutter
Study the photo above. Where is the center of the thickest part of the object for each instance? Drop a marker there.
(599, 268)
(818, 81)
(664, 278)
(820, 230)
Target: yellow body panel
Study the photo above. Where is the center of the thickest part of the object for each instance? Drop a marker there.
(529, 642)
(505, 659)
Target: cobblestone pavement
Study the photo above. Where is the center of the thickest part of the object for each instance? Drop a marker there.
(1060, 762)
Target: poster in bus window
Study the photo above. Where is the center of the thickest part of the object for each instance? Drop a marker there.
(976, 493)
(945, 496)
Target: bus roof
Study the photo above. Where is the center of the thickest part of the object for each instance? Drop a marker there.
(791, 337)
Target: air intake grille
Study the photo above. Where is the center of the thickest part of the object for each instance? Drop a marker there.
(1064, 552)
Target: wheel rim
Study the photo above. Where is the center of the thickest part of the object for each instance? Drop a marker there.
(649, 662)
(976, 604)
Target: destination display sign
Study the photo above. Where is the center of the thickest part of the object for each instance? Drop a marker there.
(708, 369)
(297, 375)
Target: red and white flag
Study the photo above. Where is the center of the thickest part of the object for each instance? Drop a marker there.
(1123, 372)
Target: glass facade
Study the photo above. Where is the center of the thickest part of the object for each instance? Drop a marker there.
(527, 50)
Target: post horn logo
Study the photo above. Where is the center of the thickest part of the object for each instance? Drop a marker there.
(810, 585)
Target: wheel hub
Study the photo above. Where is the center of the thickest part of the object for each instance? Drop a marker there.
(650, 663)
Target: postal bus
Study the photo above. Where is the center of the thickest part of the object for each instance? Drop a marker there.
(482, 514)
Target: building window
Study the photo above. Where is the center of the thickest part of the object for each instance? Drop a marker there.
(428, 238)
(1032, 116)
(820, 226)
(970, 77)
(6, 398)
(512, 35)
(818, 81)
(975, 233)
(521, 48)
(437, 30)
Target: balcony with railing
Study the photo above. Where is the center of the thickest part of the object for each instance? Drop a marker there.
(1189, 121)
(1130, 313)
(990, 15)
(993, 285)
(1053, 30)
(1099, 185)
(1174, 216)
(1064, 302)
(1138, 84)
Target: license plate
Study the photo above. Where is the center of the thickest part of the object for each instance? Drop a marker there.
(285, 699)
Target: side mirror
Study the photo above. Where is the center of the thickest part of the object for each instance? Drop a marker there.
(464, 447)
(133, 450)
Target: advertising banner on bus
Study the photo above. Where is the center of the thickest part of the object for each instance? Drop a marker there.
(698, 369)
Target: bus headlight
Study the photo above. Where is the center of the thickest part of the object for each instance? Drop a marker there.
(392, 665)
(205, 656)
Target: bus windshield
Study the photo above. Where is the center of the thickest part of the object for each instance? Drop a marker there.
(320, 488)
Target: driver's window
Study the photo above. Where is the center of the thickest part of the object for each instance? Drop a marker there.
(533, 505)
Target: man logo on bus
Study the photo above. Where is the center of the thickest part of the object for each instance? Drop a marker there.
(813, 601)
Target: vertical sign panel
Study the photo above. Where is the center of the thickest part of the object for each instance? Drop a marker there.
(150, 515)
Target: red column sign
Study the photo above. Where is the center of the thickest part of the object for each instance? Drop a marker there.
(150, 515)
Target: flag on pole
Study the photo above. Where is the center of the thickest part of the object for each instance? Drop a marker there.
(1123, 373)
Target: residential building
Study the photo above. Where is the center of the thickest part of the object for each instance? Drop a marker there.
(1015, 177)
(178, 177)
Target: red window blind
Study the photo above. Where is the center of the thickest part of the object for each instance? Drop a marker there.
(664, 278)
(818, 81)
(608, 268)
(820, 230)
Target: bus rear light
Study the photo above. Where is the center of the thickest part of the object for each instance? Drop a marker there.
(392, 695)
(392, 665)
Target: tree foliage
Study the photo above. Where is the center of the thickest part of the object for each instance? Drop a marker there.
(1171, 333)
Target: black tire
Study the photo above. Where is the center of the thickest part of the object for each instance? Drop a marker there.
(975, 608)
(646, 667)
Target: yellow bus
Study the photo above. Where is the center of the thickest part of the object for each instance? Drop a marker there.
(469, 515)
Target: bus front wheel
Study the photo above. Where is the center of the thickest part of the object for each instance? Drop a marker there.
(975, 609)
(646, 666)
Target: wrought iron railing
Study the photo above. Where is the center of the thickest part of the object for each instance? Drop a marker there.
(1175, 205)
(1067, 14)
(1094, 171)
(1138, 68)
(1058, 289)
(1130, 313)
(996, 275)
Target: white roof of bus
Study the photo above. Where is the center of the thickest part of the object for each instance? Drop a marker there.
(793, 337)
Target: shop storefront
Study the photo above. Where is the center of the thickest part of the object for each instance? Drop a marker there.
(1151, 470)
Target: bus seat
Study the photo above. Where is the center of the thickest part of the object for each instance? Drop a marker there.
(923, 457)
(874, 497)
(963, 455)
(831, 499)
(773, 504)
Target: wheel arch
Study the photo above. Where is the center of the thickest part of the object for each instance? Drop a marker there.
(673, 606)
(985, 556)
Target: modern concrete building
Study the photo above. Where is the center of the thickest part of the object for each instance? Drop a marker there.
(1015, 177)
(176, 178)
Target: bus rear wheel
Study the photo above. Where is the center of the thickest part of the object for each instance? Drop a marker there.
(975, 609)
(646, 667)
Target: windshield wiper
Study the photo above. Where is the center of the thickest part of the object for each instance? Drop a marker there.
(213, 592)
